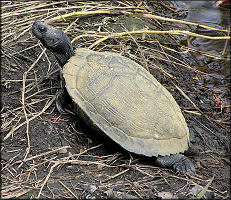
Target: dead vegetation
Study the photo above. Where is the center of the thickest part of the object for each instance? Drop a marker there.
(43, 159)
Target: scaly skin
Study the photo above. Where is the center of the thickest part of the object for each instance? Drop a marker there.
(176, 162)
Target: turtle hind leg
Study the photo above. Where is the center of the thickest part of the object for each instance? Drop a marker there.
(177, 162)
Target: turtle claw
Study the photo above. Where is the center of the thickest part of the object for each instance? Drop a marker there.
(177, 162)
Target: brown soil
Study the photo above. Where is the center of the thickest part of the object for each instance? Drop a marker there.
(68, 158)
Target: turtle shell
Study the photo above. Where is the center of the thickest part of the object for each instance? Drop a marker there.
(126, 103)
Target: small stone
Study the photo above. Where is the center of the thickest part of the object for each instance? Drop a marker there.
(89, 196)
(63, 150)
(197, 189)
(119, 195)
(166, 195)
(93, 188)
(89, 187)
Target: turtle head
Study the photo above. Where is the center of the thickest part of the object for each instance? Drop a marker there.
(55, 40)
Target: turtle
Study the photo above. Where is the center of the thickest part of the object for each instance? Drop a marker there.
(121, 99)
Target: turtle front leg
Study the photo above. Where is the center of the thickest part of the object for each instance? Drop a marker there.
(177, 162)
(60, 100)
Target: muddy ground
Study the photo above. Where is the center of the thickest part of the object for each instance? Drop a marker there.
(47, 159)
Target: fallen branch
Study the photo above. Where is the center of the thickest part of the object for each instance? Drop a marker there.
(194, 105)
(47, 177)
(46, 153)
(30, 119)
(116, 175)
(172, 32)
(95, 12)
(181, 21)
(23, 102)
(68, 189)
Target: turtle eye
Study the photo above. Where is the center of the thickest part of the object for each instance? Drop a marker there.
(42, 29)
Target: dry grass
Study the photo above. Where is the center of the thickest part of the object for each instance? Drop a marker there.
(34, 91)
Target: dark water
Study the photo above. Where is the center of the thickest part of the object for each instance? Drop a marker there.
(207, 13)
